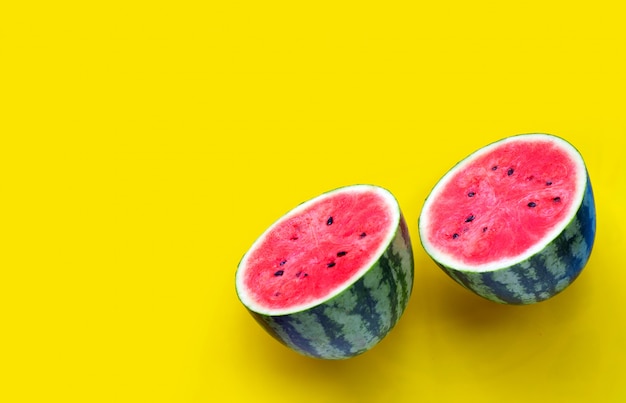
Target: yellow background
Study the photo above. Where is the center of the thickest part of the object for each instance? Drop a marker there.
(145, 145)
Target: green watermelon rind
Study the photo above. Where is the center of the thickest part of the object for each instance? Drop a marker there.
(546, 272)
(356, 319)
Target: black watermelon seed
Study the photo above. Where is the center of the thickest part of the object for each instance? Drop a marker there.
(470, 218)
(283, 262)
(342, 253)
(510, 171)
(548, 183)
(495, 167)
(557, 199)
(329, 221)
(363, 234)
(484, 229)
(471, 194)
(279, 273)
(455, 235)
(331, 264)
(532, 204)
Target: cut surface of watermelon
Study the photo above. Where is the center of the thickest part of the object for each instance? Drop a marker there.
(519, 210)
(333, 276)
(316, 250)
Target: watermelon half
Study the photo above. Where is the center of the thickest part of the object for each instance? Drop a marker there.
(513, 222)
(331, 277)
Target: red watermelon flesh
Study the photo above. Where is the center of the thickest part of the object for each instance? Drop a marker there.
(504, 201)
(317, 249)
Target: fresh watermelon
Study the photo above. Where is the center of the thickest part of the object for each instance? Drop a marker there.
(331, 277)
(514, 221)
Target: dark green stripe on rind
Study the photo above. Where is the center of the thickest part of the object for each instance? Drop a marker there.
(357, 319)
(544, 274)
